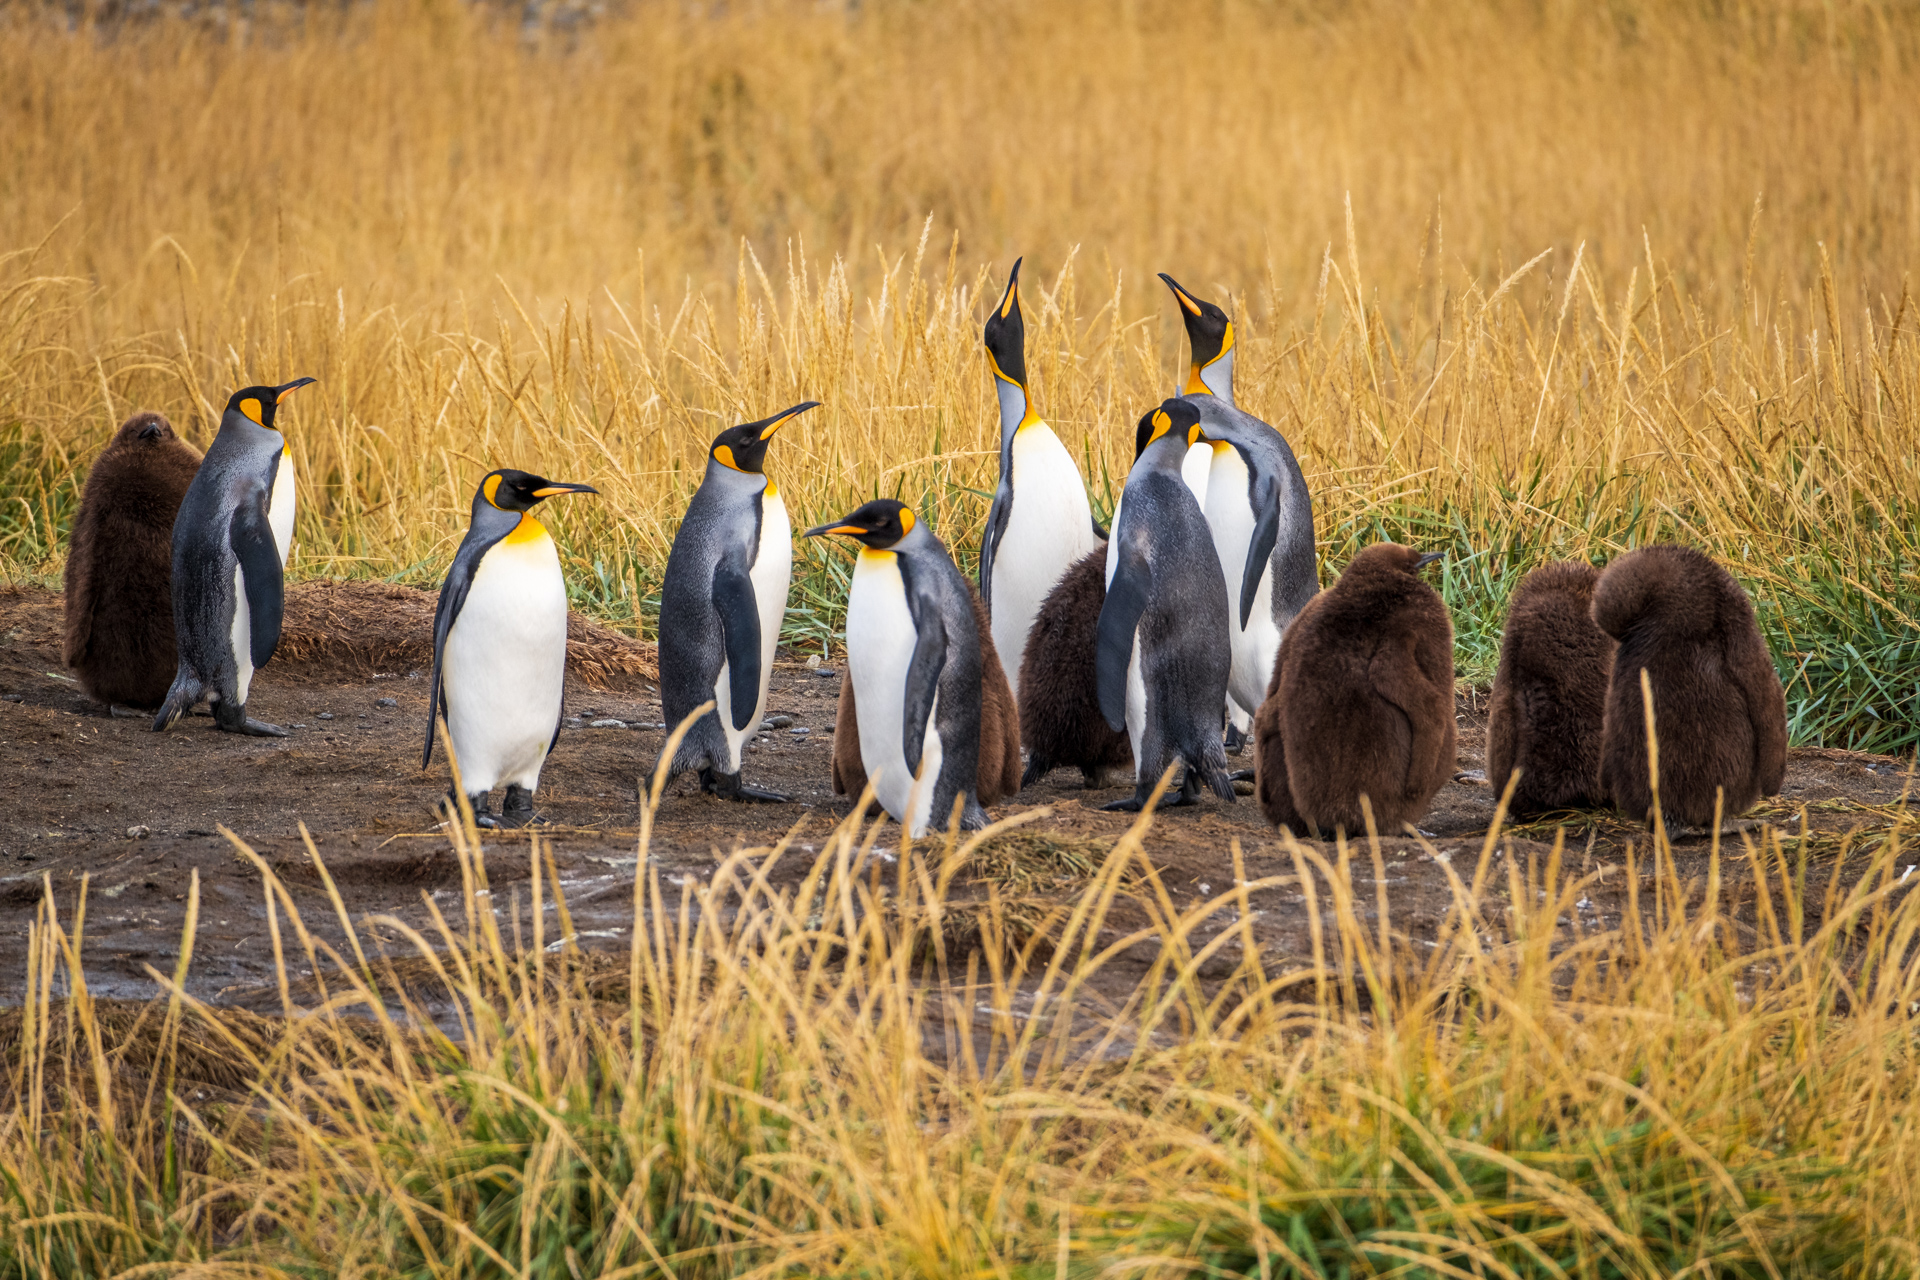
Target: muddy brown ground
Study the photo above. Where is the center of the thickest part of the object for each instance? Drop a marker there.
(83, 779)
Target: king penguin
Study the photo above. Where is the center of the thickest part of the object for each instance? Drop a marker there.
(1163, 655)
(1040, 516)
(722, 603)
(500, 647)
(1210, 372)
(230, 545)
(119, 593)
(914, 654)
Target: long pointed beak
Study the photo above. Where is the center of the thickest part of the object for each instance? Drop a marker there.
(555, 489)
(820, 529)
(282, 392)
(1012, 294)
(1428, 558)
(1186, 299)
(770, 425)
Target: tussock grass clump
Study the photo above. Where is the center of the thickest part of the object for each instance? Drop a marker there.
(808, 1081)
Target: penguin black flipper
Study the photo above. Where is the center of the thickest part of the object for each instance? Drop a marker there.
(259, 556)
(1126, 601)
(740, 625)
(1266, 532)
(997, 517)
(923, 672)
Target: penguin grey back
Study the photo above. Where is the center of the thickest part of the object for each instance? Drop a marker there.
(119, 574)
(712, 552)
(1550, 692)
(1283, 545)
(1720, 715)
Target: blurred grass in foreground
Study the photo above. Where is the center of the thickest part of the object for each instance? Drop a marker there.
(1518, 281)
(805, 1080)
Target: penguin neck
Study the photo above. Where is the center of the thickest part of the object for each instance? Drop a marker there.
(1016, 411)
(1214, 379)
(1165, 454)
(527, 530)
(732, 479)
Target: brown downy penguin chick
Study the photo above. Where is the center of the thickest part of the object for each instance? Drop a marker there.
(1363, 696)
(1720, 715)
(119, 580)
(1550, 693)
(1060, 720)
(999, 775)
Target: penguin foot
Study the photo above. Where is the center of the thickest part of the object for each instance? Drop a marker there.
(482, 813)
(729, 787)
(1175, 798)
(1235, 740)
(1037, 768)
(232, 717)
(517, 809)
(1240, 775)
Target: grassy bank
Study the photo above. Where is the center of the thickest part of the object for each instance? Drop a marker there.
(810, 1082)
(1516, 281)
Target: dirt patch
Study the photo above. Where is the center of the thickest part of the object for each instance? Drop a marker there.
(349, 774)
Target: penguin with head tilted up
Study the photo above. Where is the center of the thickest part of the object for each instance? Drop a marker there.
(1257, 505)
(500, 647)
(230, 545)
(119, 577)
(1720, 715)
(914, 655)
(1162, 656)
(1040, 521)
(722, 603)
(1362, 702)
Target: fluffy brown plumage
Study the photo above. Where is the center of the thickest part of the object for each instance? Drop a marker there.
(1361, 701)
(1550, 693)
(1060, 720)
(1719, 713)
(119, 580)
(999, 775)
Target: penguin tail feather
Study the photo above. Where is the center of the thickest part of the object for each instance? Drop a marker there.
(1222, 783)
(186, 691)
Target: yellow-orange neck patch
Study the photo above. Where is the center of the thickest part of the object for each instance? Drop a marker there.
(528, 530)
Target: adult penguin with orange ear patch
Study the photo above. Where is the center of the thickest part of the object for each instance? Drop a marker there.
(915, 660)
(722, 603)
(230, 545)
(500, 647)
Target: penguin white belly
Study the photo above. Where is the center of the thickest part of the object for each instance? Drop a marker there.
(280, 504)
(242, 636)
(771, 575)
(1136, 705)
(503, 670)
(1050, 527)
(1230, 517)
(1196, 468)
(880, 641)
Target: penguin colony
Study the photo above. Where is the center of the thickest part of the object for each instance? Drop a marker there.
(1199, 616)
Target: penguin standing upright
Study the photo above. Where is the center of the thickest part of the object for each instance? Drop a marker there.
(1550, 693)
(914, 654)
(1040, 521)
(1261, 518)
(1163, 656)
(722, 604)
(500, 647)
(230, 545)
(1362, 701)
(119, 575)
(1720, 715)
(1209, 373)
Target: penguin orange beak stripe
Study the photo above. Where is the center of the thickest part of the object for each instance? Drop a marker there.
(779, 420)
(281, 393)
(554, 489)
(1185, 300)
(838, 528)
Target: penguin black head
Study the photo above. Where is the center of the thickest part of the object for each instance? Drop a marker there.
(1006, 334)
(1211, 335)
(879, 524)
(1175, 417)
(511, 490)
(744, 448)
(257, 404)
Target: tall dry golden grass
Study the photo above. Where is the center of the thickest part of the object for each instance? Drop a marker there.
(1519, 280)
(809, 1079)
